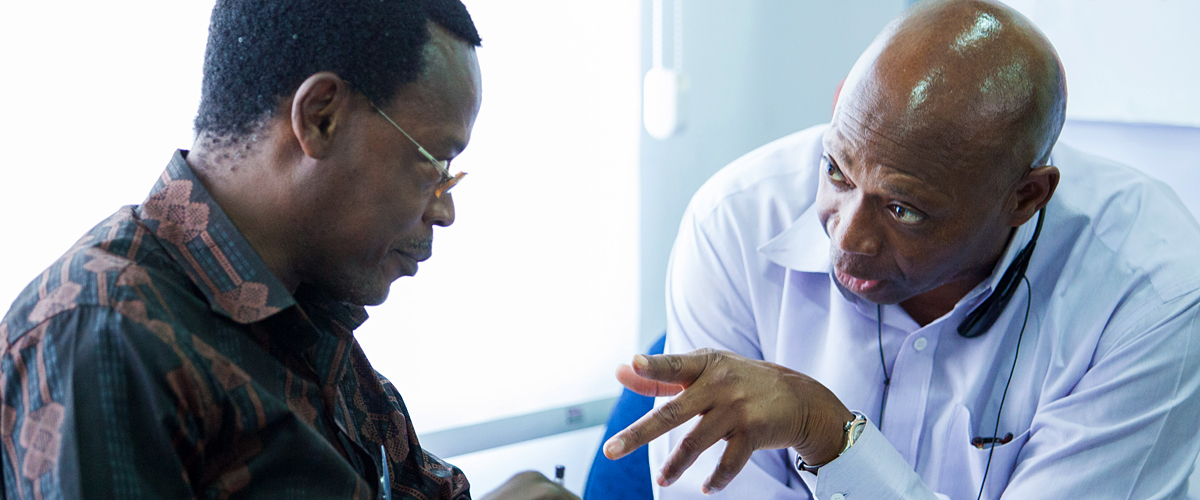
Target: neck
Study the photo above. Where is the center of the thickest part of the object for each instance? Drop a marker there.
(244, 182)
(931, 305)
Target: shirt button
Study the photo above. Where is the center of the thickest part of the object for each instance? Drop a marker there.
(837, 496)
(920, 344)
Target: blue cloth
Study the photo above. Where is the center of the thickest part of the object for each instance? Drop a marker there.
(629, 477)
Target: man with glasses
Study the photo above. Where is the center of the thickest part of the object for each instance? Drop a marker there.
(201, 344)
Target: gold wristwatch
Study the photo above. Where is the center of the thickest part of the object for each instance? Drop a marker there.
(853, 430)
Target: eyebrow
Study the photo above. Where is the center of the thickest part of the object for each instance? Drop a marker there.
(891, 187)
(901, 191)
(930, 200)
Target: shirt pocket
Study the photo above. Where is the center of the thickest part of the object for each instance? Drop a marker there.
(963, 464)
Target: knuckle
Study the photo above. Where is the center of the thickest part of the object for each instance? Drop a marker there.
(529, 477)
(710, 355)
(675, 363)
(634, 434)
(689, 445)
(728, 375)
(670, 412)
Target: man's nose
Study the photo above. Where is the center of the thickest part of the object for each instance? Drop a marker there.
(857, 231)
(440, 211)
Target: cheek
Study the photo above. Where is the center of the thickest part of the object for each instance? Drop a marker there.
(932, 259)
(826, 206)
(364, 227)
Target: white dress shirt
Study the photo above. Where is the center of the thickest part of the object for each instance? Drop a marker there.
(1104, 400)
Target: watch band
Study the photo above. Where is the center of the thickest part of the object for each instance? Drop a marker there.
(853, 429)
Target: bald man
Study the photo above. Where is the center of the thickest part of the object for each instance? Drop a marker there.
(927, 298)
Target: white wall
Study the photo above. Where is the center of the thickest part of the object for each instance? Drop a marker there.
(1126, 61)
(97, 97)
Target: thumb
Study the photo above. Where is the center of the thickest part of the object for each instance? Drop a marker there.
(681, 369)
(645, 386)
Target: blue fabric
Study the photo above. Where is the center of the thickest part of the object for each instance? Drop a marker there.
(629, 477)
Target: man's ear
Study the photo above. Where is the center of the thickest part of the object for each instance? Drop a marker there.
(1034, 192)
(319, 107)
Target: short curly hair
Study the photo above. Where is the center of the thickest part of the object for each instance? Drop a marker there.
(260, 51)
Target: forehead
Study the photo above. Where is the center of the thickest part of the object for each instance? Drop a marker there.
(450, 73)
(886, 163)
(442, 104)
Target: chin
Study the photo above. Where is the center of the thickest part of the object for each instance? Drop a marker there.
(879, 298)
(371, 300)
(359, 292)
(882, 295)
(371, 297)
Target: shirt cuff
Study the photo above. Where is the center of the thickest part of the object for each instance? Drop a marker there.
(871, 468)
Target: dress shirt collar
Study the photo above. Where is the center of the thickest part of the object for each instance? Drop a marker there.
(202, 239)
(804, 247)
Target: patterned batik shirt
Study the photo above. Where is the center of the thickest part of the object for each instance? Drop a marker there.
(161, 358)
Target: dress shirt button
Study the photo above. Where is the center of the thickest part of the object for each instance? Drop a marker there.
(920, 344)
(837, 496)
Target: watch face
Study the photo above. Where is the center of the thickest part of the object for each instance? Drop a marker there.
(857, 430)
(854, 429)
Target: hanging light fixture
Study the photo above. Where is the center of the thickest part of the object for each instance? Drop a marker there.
(663, 88)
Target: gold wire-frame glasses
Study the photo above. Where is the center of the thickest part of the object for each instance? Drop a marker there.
(448, 181)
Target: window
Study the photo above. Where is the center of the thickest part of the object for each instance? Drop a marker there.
(530, 299)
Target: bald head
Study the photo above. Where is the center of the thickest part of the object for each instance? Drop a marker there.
(961, 81)
(938, 149)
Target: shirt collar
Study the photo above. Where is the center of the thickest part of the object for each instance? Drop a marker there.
(202, 239)
(804, 247)
(314, 300)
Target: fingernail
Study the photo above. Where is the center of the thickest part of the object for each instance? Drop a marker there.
(663, 481)
(640, 362)
(614, 446)
(709, 490)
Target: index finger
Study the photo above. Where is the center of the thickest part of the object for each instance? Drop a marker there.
(652, 425)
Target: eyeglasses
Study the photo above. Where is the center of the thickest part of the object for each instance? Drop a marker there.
(448, 181)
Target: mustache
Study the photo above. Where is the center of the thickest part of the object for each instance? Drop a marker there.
(849, 264)
(416, 245)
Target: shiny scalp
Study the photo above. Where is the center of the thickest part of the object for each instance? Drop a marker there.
(962, 80)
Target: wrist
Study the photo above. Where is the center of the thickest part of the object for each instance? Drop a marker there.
(832, 447)
(826, 440)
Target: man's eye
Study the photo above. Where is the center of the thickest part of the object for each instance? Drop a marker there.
(905, 215)
(832, 171)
